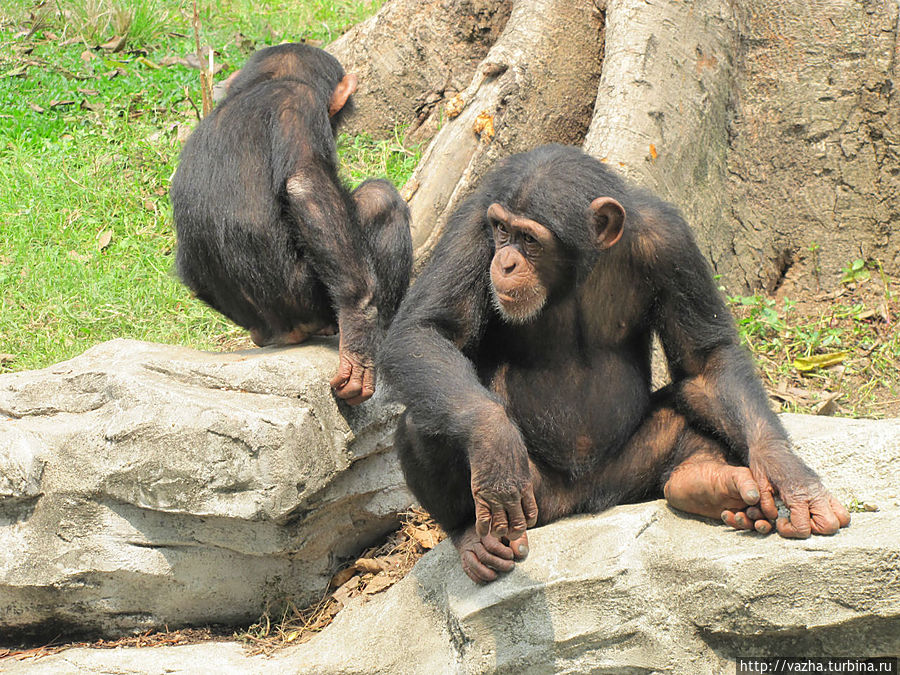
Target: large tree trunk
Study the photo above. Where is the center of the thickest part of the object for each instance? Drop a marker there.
(773, 125)
(411, 56)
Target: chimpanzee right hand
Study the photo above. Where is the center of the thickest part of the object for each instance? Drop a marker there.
(501, 479)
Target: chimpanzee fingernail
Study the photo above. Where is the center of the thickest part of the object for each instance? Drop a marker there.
(725, 517)
(753, 494)
(523, 550)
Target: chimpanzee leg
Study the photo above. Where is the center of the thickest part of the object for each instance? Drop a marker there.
(668, 457)
(384, 218)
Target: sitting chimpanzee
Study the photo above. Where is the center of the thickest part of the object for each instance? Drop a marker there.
(523, 356)
(267, 234)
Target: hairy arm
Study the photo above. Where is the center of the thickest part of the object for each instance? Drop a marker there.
(304, 164)
(718, 389)
(423, 358)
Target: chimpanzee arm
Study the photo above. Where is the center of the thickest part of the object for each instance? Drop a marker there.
(443, 316)
(716, 384)
(304, 164)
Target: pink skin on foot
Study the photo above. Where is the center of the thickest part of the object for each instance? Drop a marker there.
(712, 488)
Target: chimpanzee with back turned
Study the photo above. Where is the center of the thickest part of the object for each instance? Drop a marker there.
(523, 355)
(268, 235)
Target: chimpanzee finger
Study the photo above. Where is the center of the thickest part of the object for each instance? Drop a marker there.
(768, 505)
(843, 515)
(798, 526)
(823, 518)
(517, 523)
(754, 513)
(497, 547)
(738, 520)
(499, 522)
(482, 518)
(344, 371)
(367, 388)
(490, 560)
(763, 526)
(475, 570)
(529, 506)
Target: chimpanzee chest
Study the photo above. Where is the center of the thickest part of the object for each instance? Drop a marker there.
(574, 415)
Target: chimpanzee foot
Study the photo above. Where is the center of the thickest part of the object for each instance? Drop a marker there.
(263, 339)
(712, 488)
(327, 330)
(483, 557)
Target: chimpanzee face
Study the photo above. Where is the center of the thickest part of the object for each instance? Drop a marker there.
(531, 265)
(525, 265)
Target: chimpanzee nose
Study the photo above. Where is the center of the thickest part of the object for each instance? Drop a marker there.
(508, 262)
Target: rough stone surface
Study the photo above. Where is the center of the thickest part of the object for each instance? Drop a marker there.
(143, 485)
(638, 589)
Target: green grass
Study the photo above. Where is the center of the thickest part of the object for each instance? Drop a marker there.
(88, 145)
(853, 336)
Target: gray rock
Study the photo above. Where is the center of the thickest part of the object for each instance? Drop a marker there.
(637, 589)
(145, 485)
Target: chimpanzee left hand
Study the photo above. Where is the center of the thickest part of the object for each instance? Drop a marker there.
(813, 510)
(355, 378)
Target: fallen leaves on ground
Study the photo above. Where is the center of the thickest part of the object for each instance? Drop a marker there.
(166, 638)
(376, 570)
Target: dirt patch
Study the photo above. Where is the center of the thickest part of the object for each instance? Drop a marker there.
(831, 351)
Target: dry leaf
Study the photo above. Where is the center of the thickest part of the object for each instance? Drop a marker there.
(425, 538)
(36, 108)
(342, 577)
(114, 45)
(409, 189)
(455, 106)
(379, 583)
(87, 92)
(808, 363)
(484, 125)
(150, 205)
(347, 590)
(653, 153)
(93, 107)
(6, 358)
(369, 565)
(80, 257)
(103, 239)
(57, 104)
(829, 405)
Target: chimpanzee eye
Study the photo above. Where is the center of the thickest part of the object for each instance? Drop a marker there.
(529, 239)
(501, 228)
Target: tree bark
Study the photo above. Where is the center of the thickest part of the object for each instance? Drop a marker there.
(535, 85)
(773, 125)
(414, 54)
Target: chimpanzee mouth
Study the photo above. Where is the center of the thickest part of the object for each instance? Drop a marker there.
(517, 309)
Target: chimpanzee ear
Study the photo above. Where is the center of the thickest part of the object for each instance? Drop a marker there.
(608, 217)
(342, 92)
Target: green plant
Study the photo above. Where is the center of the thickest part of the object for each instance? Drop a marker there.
(855, 272)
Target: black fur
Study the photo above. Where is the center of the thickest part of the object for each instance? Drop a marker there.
(575, 381)
(274, 259)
